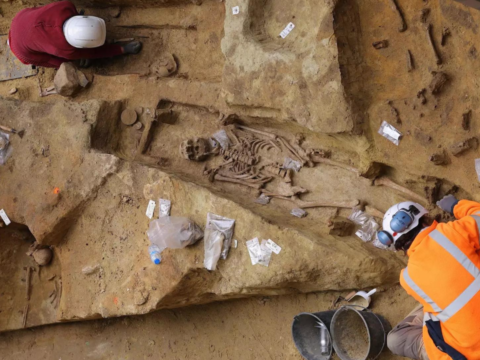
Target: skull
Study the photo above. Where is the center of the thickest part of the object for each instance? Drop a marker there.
(196, 149)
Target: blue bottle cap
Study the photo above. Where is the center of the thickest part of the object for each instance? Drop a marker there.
(157, 261)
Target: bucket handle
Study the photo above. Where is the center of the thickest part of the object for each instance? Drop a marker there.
(380, 321)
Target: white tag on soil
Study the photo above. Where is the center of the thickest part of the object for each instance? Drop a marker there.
(287, 30)
(236, 10)
(4, 217)
(150, 209)
(274, 247)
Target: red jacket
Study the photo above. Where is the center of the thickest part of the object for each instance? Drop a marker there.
(36, 37)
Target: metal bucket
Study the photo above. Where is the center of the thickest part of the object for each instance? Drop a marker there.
(358, 335)
(306, 334)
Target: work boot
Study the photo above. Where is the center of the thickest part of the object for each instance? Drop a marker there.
(133, 47)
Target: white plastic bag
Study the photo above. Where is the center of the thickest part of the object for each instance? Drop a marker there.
(173, 232)
(292, 164)
(165, 206)
(266, 254)
(218, 239)
(259, 253)
(223, 139)
(390, 133)
(254, 250)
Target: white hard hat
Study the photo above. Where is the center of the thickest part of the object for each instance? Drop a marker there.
(85, 31)
(399, 220)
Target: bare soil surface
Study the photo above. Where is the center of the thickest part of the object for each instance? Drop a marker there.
(257, 328)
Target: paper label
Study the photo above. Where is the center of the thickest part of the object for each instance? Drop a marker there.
(287, 30)
(4, 217)
(274, 247)
(235, 244)
(150, 209)
(236, 10)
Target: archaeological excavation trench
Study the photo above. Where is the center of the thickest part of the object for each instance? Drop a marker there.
(215, 135)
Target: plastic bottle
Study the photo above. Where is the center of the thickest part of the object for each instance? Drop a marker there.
(154, 252)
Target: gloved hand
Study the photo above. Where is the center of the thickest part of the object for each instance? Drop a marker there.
(448, 203)
(133, 47)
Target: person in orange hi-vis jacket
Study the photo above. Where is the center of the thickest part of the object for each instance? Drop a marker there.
(443, 275)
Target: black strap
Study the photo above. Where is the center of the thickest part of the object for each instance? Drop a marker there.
(435, 332)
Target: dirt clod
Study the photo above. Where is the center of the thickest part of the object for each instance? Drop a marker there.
(466, 119)
(13, 91)
(438, 82)
(439, 159)
(459, 148)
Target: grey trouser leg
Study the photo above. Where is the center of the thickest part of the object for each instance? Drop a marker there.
(406, 339)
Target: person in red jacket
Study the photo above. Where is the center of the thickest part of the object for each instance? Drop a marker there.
(56, 33)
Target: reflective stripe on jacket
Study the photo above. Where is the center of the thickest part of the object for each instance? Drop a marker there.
(443, 274)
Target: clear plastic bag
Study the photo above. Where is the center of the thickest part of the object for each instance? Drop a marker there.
(390, 133)
(173, 232)
(218, 239)
(292, 164)
(368, 230)
(369, 225)
(300, 213)
(359, 217)
(5, 148)
(223, 139)
(263, 199)
(164, 206)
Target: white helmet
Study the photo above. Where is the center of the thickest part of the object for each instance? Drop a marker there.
(85, 31)
(399, 220)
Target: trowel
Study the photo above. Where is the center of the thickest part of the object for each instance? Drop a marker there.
(362, 298)
(359, 298)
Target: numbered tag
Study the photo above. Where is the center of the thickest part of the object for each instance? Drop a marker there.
(4, 217)
(150, 209)
(236, 10)
(274, 247)
(287, 30)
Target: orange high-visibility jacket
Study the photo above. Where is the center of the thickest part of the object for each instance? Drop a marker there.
(443, 274)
